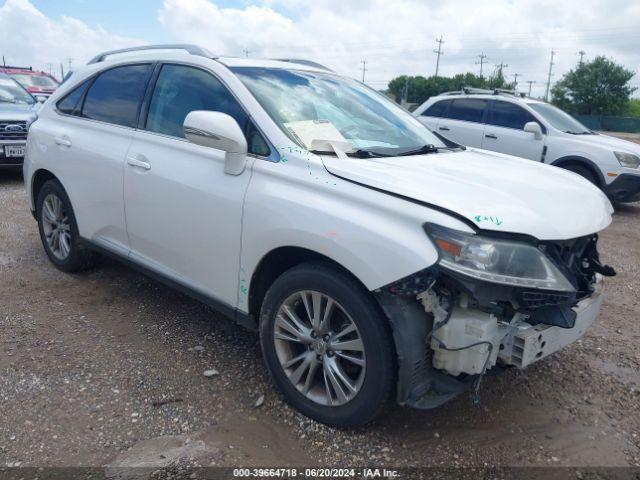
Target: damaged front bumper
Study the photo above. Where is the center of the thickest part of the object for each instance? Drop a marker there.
(526, 344)
(442, 353)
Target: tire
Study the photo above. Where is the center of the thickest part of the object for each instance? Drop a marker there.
(56, 219)
(584, 172)
(370, 372)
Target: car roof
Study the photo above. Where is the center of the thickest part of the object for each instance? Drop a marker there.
(186, 51)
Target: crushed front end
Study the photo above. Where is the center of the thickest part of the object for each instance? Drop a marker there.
(489, 302)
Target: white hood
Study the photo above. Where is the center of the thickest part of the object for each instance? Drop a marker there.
(613, 143)
(494, 191)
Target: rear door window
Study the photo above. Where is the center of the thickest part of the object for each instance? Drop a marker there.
(438, 109)
(467, 109)
(115, 96)
(508, 115)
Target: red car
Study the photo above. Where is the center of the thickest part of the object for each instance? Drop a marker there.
(38, 84)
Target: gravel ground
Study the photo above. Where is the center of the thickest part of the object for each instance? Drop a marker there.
(107, 366)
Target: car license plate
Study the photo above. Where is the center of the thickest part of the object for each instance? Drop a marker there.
(14, 150)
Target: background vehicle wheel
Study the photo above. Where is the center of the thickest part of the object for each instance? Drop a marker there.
(327, 345)
(59, 231)
(583, 172)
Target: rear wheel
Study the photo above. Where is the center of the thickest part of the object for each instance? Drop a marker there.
(59, 230)
(327, 345)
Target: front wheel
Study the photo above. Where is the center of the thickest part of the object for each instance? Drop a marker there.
(327, 345)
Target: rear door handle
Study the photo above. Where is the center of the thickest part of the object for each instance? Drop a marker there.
(63, 141)
(492, 136)
(137, 161)
(444, 129)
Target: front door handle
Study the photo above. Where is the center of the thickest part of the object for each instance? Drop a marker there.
(63, 141)
(135, 161)
(444, 129)
(491, 136)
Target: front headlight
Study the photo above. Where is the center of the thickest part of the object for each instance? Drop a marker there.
(627, 159)
(495, 260)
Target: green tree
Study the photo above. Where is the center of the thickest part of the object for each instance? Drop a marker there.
(599, 87)
(420, 88)
(633, 108)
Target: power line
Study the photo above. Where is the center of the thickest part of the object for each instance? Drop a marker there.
(440, 41)
(546, 93)
(483, 60)
(364, 68)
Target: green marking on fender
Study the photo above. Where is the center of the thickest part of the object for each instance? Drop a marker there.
(484, 218)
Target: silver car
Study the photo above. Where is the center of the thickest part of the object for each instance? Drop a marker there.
(18, 110)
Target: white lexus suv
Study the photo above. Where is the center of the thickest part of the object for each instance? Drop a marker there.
(376, 261)
(503, 122)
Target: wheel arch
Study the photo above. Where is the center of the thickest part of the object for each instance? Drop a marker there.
(275, 263)
(39, 178)
(563, 162)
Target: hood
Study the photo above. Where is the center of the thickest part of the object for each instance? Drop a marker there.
(607, 141)
(493, 191)
(18, 111)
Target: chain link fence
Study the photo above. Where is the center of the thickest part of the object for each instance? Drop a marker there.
(609, 123)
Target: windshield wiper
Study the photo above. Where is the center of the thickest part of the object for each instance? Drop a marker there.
(589, 132)
(361, 153)
(428, 148)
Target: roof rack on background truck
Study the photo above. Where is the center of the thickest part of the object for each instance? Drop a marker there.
(485, 91)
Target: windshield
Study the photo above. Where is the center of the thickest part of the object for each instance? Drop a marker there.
(41, 81)
(12, 92)
(559, 119)
(311, 106)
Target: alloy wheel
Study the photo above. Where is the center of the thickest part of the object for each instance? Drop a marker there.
(56, 226)
(319, 348)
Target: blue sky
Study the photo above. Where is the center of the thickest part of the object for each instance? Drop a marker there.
(395, 36)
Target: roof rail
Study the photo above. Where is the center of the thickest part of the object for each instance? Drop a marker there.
(192, 49)
(13, 67)
(308, 63)
(485, 91)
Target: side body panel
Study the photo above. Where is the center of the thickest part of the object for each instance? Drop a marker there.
(88, 158)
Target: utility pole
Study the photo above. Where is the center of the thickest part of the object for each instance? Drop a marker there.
(246, 52)
(582, 53)
(500, 66)
(483, 60)
(49, 65)
(405, 94)
(364, 68)
(440, 41)
(4, 64)
(61, 72)
(515, 80)
(69, 60)
(546, 93)
(530, 82)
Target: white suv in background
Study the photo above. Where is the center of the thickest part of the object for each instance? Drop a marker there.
(503, 122)
(374, 260)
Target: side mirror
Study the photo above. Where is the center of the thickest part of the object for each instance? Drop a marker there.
(221, 131)
(533, 127)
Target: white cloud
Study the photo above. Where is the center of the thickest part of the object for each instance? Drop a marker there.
(398, 37)
(30, 38)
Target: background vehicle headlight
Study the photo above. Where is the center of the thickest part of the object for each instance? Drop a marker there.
(498, 261)
(628, 159)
